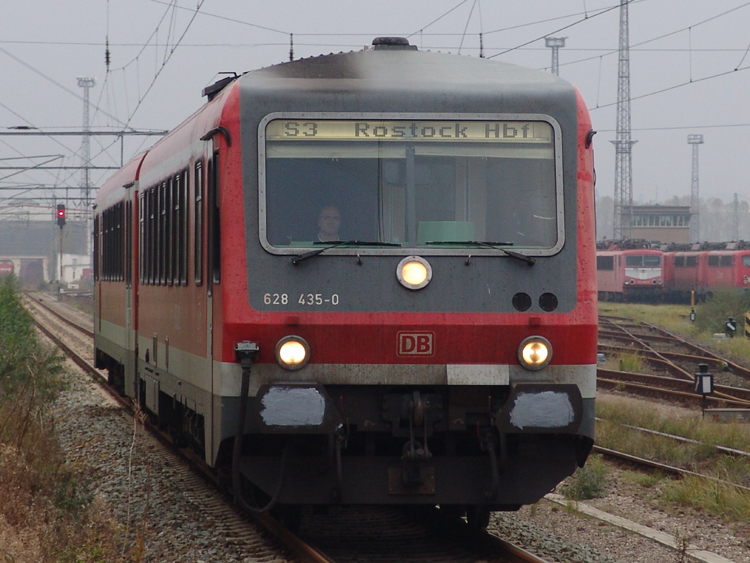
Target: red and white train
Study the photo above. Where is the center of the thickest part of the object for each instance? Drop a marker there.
(7, 268)
(439, 349)
(629, 275)
(670, 275)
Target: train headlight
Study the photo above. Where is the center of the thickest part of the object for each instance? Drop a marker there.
(535, 352)
(292, 352)
(414, 272)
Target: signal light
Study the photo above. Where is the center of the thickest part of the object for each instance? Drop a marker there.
(60, 214)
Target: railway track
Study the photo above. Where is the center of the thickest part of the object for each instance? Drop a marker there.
(359, 534)
(672, 361)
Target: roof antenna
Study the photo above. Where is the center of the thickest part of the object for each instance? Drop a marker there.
(291, 47)
(481, 45)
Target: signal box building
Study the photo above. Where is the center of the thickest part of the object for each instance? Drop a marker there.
(661, 223)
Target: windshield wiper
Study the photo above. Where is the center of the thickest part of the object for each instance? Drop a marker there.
(530, 260)
(472, 242)
(305, 255)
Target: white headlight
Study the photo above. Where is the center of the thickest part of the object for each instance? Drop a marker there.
(535, 352)
(292, 352)
(414, 272)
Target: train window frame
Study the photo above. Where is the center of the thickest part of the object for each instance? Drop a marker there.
(184, 227)
(214, 222)
(141, 235)
(605, 263)
(198, 224)
(169, 216)
(97, 250)
(129, 243)
(448, 250)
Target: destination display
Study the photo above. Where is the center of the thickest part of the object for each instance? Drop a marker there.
(422, 131)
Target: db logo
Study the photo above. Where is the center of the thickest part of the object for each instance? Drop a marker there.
(415, 343)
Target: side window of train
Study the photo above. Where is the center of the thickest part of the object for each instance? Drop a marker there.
(214, 222)
(713, 261)
(725, 261)
(97, 250)
(605, 263)
(128, 243)
(141, 235)
(679, 261)
(170, 251)
(198, 223)
(746, 261)
(691, 261)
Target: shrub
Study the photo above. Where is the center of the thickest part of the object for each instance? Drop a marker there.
(46, 510)
(724, 303)
(588, 481)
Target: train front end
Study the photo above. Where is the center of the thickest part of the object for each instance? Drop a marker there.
(643, 277)
(415, 302)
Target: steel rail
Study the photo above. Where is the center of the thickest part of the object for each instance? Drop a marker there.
(664, 467)
(681, 397)
(287, 538)
(83, 329)
(721, 449)
(673, 368)
(736, 395)
(740, 370)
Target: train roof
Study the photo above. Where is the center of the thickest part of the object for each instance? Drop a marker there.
(394, 67)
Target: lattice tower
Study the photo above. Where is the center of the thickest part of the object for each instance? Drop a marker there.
(86, 83)
(623, 215)
(695, 217)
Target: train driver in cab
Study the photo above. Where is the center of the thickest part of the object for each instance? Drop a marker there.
(329, 221)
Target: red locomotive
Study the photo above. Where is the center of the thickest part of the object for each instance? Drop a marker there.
(671, 275)
(706, 270)
(6, 268)
(363, 278)
(629, 275)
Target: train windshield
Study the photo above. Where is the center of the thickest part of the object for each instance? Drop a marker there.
(643, 261)
(425, 184)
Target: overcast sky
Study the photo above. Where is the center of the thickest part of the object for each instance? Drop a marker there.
(689, 66)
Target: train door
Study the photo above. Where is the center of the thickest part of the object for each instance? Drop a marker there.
(213, 278)
(132, 222)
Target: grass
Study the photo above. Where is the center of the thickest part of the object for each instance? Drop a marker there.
(724, 500)
(47, 510)
(632, 362)
(710, 318)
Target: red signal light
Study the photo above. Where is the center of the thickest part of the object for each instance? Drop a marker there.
(60, 214)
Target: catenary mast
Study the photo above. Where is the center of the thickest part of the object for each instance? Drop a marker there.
(695, 215)
(623, 216)
(86, 83)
